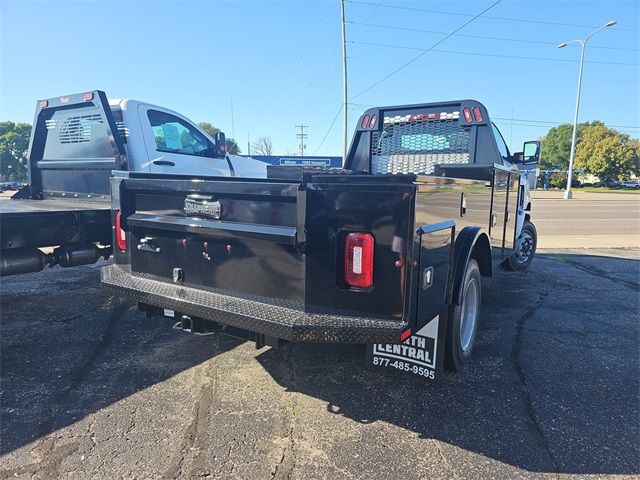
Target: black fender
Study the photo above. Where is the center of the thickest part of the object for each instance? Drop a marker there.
(471, 242)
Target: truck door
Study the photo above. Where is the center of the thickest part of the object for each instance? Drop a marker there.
(512, 213)
(498, 210)
(174, 145)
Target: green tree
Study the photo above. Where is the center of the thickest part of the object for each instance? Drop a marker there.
(607, 153)
(14, 144)
(209, 128)
(556, 145)
(232, 145)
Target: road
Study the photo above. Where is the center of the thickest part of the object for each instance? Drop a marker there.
(590, 220)
(92, 389)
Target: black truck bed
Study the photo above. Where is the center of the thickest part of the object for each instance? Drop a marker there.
(52, 205)
(28, 223)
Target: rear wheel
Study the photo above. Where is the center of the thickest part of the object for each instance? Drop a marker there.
(463, 320)
(522, 257)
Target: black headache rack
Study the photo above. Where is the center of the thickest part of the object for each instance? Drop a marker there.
(445, 139)
(74, 147)
(272, 263)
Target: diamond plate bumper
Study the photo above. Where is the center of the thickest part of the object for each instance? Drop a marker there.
(281, 320)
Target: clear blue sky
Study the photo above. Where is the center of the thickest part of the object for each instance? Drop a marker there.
(280, 61)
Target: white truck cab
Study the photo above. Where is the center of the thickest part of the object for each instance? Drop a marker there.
(159, 140)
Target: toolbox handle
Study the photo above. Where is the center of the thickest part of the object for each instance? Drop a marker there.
(201, 226)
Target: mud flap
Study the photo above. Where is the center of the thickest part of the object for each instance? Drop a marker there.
(421, 354)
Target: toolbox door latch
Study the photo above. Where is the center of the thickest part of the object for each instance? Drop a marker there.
(178, 275)
(427, 278)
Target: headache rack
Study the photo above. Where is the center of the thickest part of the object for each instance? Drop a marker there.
(417, 139)
(418, 145)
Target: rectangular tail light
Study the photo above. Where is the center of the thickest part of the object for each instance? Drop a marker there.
(477, 114)
(358, 259)
(121, 238)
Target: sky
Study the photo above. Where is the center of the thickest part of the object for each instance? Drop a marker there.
(259, 68)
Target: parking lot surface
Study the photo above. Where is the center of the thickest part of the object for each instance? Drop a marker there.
(92, 389)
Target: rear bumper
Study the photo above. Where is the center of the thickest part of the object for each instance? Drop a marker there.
(274, 320)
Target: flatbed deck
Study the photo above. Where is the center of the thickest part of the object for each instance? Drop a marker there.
(28, 223)
(28, 206)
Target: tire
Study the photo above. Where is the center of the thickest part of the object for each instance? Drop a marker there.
(522, 258)
(463, 320)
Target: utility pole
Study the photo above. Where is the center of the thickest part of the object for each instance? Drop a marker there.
(345, 125)
(302, 137)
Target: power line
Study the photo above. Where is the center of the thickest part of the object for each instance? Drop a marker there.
(327, 67)
(551, 122)
(489, 17)
(426, 51)
(485, 37)
(373, 10)
(519, 57)
(493, 72)
(329, 129)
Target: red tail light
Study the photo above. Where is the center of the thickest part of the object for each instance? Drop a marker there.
(477, 114)
(88, 96)
(358, 260)
(404, 335)
(43, 103)
(374, 120)
(467, 114)
(365, 121)
(121, 238)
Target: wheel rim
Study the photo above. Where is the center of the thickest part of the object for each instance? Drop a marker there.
(526, 247)
(469, 314)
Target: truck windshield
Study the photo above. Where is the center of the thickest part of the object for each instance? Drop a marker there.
(172, 134)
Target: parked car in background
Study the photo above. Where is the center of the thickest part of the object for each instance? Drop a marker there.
(11, 186)
(630, 184)
(608, 184)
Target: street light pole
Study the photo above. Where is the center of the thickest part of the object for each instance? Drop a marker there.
(568, 194)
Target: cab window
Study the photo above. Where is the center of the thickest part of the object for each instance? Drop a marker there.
(502, 146)
(174, 135)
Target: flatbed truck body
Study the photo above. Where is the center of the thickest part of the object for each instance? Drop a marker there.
(379, 252)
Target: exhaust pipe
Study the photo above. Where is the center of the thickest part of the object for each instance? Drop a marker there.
(80, 255)
(28, 260)
(23, 260)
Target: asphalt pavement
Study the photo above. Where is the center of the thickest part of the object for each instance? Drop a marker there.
(92, 389)
(589, 220)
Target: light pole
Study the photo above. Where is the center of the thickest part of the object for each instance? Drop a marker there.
(583, 43)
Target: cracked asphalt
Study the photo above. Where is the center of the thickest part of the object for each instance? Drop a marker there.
(92, 389)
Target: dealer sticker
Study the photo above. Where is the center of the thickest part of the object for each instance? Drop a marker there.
(421, 354)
